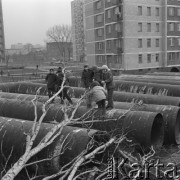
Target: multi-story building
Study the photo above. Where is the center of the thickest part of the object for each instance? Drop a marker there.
(130, 35)
(2, 39)
(78, 36)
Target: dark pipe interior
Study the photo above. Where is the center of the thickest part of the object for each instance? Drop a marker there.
(157, 131)
(174, 69)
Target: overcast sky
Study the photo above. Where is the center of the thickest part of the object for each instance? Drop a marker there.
(26, 21)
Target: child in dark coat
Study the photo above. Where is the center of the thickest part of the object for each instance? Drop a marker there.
(98, 94)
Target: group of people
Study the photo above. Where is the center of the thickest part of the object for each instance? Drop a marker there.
(97, 80)
(54, 82)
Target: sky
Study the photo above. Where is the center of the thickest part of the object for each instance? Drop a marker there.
(27, 21)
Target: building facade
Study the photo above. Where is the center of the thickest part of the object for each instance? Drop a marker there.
(130, 35)
(2, 38)
(78, 36)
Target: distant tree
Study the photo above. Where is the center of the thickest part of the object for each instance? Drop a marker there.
(62, 36)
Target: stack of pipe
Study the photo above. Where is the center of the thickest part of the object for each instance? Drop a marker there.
(132, 123)
(171, 114)
(31, 88)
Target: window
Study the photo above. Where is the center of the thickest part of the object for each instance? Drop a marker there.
(171, 42)
(157, 57)
(178, 11)
(157, 42)
(149, 58)
(171, 26)
(117, 59)
(178, 41)
(100, 58)
(118, 43)
(108, 1)
(99, 18)
(139, 27)
(148, 43)
(178, 55)
(171, 56)
(117, 11)
(139, 43)
(109, 13)
(99, 5)
(178, 26)
(148, 11)
(140, 59)
(140, 10)
(171, 11)
(100, 46)
(109, 44)
(157, 11)
(117, 27)
(99, 32)
(148, 27)
(157, 27)
(108, 29)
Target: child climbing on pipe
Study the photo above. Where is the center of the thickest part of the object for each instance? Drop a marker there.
(98, 95)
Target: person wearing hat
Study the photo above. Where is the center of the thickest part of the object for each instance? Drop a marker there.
(97, 94)
(51, 80)
(107, 81)
(87, 77)
(64, 93)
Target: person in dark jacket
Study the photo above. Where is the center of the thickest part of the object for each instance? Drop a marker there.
(87, 77)
(107, 81)
(51, 80)
(97, 74)
(64, 93)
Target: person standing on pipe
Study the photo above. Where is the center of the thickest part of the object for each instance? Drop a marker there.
(97, 94)
(64, 93)
(107, 81)
(51, 80)
(87, 77)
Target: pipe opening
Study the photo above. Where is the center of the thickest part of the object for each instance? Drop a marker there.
(177, 128)
(157, 131)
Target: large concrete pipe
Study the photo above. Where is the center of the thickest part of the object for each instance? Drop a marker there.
(158, 81)
(148, 88)
(23, 87)
(31, 88)
(165, 74)
(149, 121)
(128, 97)
(13, 142)
(171, 116)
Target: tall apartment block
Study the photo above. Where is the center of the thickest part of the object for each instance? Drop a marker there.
(132, 34)
(2, 41)
(78, 36)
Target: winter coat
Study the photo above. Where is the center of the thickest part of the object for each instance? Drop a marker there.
(60, 78)
(108, 78)
(51, 80)
(97, 94)
(87, 78)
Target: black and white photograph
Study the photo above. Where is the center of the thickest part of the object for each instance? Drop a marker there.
(89, 89)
